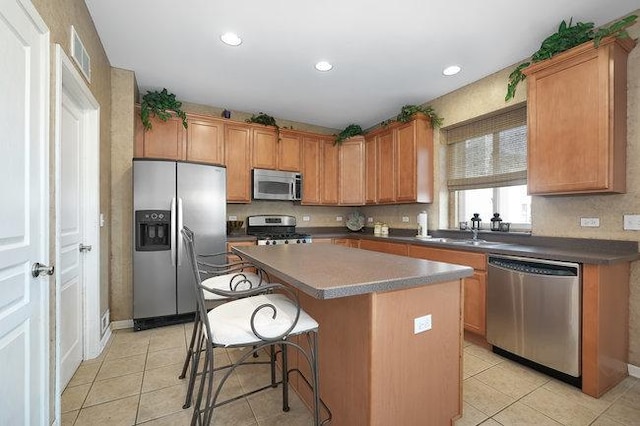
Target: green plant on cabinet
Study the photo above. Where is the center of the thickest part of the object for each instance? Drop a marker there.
(160, 104)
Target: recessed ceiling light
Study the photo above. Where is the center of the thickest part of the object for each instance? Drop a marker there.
(451, 70)
(231, 39)
(323, 66)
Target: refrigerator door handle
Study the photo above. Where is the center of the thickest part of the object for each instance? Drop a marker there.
(173, 231)
(179, 230)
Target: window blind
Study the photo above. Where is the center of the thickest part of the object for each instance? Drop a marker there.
(488, 152)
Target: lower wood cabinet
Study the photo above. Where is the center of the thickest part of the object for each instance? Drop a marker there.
(385, 247)
(475, 287)
(231, 244)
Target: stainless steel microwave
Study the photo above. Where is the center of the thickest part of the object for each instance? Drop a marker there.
(276, 185)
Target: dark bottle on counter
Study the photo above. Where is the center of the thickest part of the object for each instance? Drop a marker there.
(495, 222)
(475, 221)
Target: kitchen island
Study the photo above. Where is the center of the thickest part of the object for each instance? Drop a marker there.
(374, 370)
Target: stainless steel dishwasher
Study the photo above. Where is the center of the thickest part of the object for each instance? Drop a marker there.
(534, 311)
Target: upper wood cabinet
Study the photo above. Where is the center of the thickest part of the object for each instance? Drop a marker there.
(370, 173)
(237, 158)
(265, 148)
(311, 170)
(414, 161)
(352, 172)
(385, 170)
(404, 162)
(205, 141)
(577, 116)
(166, 139)
(289, 151)
(329, 174)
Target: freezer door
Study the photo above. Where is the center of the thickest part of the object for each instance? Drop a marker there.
(202, 206)
(154, 273)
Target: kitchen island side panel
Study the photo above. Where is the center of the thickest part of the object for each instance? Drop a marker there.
(416, 378)
(375, 371)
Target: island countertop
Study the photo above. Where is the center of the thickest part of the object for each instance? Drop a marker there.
(326, 271)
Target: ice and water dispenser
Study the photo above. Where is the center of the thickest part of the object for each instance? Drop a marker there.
(153, 230)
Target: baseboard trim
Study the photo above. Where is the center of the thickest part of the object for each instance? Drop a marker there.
(119, 325)
(634, 371)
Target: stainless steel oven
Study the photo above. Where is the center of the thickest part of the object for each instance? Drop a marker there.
(534, 311)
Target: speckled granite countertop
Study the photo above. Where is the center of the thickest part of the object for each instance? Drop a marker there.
(327, 271)
(581, 250)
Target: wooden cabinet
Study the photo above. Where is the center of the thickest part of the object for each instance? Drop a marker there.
(370, 173)
(166, 139)
(403, 163)
(264, 148)
(342, 242)
(577, 116)
(414, 161)
(475, 287)
(385, 247)
(289, 151)
(352, 176)
(311, 170)
(205, 141)
(230, 244)
(237, 158)
(385, 154)
(329, 174)
(322, 241)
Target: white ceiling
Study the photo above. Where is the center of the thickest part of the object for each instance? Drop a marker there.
(385, 53)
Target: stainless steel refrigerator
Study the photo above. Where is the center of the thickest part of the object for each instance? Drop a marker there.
(166, 196)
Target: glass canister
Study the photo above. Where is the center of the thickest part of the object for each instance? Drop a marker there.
(377, 228)
(384, 231)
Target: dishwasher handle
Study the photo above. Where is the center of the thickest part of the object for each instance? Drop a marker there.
(535, 268)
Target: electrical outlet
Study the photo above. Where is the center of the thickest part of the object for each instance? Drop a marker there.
(590, 222)
(369, 220)
(338, 218)
(631, 222)
(306, 218)
(405, 219)
(101, 220)
(233, 217)
(422, 324)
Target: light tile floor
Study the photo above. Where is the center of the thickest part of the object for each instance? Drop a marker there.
(135, 381)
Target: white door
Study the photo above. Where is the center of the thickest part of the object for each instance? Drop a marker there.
(24, 216)
(71, 220)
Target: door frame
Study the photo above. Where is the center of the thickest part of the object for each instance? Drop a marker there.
(69, 81)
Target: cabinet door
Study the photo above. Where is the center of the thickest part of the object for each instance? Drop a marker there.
(264, 148)
(351, 182)
(204, 141)
(577, 121)
(475, 290)
(164, 140)
(289, 152)
(370, 156)
(341, 242)
(385, 247)
(232, 258)
(311, 169)
(406, 154)
(237, 156)
(386, 167)
(329, 182)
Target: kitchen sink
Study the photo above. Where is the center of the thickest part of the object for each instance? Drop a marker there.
(480, 243)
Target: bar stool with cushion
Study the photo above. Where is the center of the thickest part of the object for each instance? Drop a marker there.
(253, 319)
(233, 276)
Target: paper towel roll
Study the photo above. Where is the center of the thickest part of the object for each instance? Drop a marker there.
(422, 224)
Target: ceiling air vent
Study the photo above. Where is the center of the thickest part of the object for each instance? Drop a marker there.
(80, 54)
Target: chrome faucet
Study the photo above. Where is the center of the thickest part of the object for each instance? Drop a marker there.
(475, 234)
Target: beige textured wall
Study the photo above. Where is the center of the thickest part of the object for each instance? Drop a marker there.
(59, 15)
(242, 116)
(123, 89)
(560, 215)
